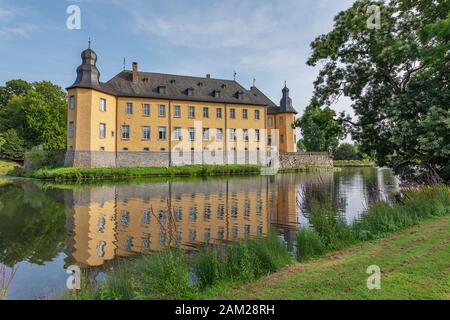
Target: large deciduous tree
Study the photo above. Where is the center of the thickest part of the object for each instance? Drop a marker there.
(36, 113)
(397, 77)
(320, 129)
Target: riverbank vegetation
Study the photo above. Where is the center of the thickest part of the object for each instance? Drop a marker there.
(7, 166)
(413, 263)
(97, 174)
(353, 163)
(176, 274)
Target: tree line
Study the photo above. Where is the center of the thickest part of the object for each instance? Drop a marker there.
(397, 78)
(31, 114)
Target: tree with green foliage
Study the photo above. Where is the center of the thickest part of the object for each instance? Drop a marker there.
(37, 114)
(13, 88)
(347, 151)
(12, 146)
(320, 129)
(397, 78)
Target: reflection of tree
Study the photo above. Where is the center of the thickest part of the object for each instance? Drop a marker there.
(319, 191)
(32, 223)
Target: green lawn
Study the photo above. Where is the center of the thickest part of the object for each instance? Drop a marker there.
(415, 264)
(6, 166)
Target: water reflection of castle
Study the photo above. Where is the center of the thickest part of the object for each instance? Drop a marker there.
(117, 221)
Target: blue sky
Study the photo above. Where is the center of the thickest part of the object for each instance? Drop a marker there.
(262, 39)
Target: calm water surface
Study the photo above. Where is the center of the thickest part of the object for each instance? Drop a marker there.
(44, 229)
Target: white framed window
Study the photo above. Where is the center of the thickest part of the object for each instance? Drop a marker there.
(125, 132)
(281, 121)
(219, 135)
(206, 134)
(245, 134)
(177, 133)
(102, 130)
(233, 113)
(269, 122)
(72, 102)
(129, 108)
(177, 112)
(191, 112)
(192, 134)
(162, 133)
(145, 133)
(102, 105)
(219, 113)
(162, 110)
(244, 114)
(146, 110)
(71, 129)
(257, 135)
(233, 134)
(205, 112)
(257, 115)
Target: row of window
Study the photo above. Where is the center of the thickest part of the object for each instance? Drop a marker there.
(177, 131)
(146, 110)
(162, 133)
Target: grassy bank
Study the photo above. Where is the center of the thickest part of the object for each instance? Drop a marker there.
(353, 163)
(95, 174)
(218, 268)
(305, 169)
(413, 262)
(7, 166)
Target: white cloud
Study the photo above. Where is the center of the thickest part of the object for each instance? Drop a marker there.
(23, 30)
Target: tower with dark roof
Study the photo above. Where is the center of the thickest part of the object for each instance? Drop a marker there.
(88, 75)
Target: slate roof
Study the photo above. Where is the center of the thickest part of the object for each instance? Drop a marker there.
(174, 87)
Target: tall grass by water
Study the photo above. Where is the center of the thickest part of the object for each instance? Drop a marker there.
(382, 218)
(175, 274)
(93, 174)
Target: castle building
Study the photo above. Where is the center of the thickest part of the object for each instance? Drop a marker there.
(140, 119)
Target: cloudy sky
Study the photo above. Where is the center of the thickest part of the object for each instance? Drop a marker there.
(262, 39)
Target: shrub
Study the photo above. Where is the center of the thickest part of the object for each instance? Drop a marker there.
(240, 263)
(164, 275)
(208, 266)
(309, 244)
(271, 252)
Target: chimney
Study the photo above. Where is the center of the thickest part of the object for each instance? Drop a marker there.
(208, 76)
(135, 72)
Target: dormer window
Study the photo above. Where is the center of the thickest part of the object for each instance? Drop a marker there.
(224, 85)
(190, 92)
(162, 89)
(145, 80)
(200, 84)
(216, 94)
(240, 95)
(172, 81)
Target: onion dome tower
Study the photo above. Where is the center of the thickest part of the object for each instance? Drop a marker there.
(88, 75)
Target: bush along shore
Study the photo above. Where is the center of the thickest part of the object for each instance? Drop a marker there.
(94, 174)
(176, 274)
(353, 163)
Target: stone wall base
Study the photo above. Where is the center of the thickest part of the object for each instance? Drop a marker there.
(299, 160)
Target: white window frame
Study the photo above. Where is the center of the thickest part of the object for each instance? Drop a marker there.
(177, 133)
(146, 106)
(102, 136)
(72, 103)
(162, 110)
(146, 129)
(192, 134)
(127, 131)
(257, 115)
(162, 129)
(219, 113)
(129, 108)
(102, 105)
(71, 129)
(245, 114)
(219, 134)
(191, 112)
(205, 135)
(175, 113)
